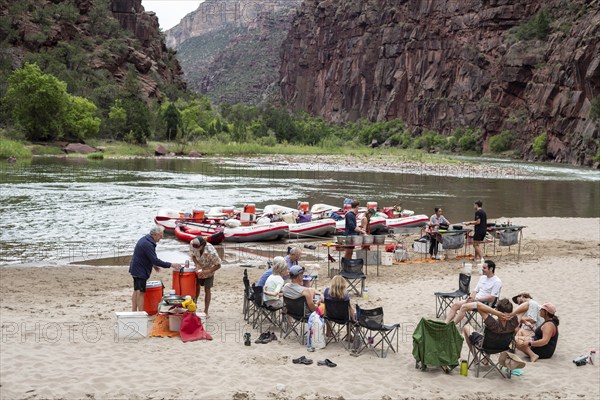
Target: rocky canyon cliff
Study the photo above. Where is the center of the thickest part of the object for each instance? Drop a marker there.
(446, 64)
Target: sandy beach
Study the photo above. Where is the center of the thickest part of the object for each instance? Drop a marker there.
(58, 333)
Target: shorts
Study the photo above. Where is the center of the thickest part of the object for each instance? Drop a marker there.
(139, 284)
(476, 339)
(207, 282)
(478, 237)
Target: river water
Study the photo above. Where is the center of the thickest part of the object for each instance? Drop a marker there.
(56, 210)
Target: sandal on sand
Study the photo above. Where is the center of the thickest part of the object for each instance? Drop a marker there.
(302, 360)
(327, 362)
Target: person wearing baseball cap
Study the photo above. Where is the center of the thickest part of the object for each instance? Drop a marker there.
(543, 343)
(294, 289)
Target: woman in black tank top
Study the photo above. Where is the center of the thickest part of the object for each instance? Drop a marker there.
(545, 338)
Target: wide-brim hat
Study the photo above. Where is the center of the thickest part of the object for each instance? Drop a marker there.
(510, 361)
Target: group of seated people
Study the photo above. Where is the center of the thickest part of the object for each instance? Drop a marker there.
(534, 327)
(287, 268)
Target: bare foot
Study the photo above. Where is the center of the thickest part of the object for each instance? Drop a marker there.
(534, 358)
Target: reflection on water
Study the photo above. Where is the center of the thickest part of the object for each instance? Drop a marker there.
(69, 209)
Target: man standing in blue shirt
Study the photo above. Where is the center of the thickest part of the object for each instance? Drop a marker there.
(351, 228)
(143, 259)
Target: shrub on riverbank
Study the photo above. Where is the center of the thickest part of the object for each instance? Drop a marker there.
(10, 148)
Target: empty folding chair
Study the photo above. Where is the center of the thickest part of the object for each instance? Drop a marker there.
(264, 313)
(248, 305)
(295, 317)
(373, 333)
(338, 320)
(444, 300)
(436, 344)
(352, 272)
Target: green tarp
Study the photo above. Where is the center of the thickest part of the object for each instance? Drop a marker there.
(436, 344)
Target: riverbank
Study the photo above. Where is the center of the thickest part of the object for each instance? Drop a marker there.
(58, 333)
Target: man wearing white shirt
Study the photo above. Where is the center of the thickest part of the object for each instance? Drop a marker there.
(486, 291)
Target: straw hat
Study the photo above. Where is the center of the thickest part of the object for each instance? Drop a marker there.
(510, 361)
(524, 294)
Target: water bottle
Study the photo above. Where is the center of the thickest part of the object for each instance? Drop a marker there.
(464, 367)
(592, 356)
(187, 263)
(365, 294)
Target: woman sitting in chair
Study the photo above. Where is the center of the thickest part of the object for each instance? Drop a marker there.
(338, 291)
(498, 332)
(272, 290)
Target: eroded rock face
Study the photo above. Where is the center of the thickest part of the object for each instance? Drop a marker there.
(154, 56)
(445, 64)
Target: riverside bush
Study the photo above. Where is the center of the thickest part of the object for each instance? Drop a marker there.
(501, 142)
(539, 145)
(10, 148)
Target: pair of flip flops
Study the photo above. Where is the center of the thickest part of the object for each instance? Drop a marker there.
(327, 362)
(302, 360)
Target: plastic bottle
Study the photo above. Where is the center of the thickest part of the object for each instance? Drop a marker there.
(592, 356)
(366, 294)
(464, 368)
(187, 263)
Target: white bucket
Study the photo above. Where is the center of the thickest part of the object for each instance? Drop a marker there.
(175, 322)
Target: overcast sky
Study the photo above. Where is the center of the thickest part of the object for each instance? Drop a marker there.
(170, 12)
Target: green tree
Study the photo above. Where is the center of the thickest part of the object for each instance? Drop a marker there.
(38, 102)
(117, 118)
(172, 118)
(137, 120)
(80, 121)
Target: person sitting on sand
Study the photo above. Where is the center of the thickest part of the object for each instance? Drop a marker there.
(543, 343)
(294, 289)
(498, 332)
(274, 284)
(486, 291)
(528, 312)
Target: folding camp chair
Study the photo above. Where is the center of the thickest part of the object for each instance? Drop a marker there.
(444, 300)
(436, 344)
(482, 351)
(373, 333)
(248, 305)
(352, 272)
(264, 313)
(295, 316)
(337, 318)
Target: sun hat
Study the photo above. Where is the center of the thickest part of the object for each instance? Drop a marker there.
(510, 361)
(549, 307)
(524, 294)
(296, 270)
(198, 242)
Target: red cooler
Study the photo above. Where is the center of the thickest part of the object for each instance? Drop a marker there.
(184, 282)
(153, 296)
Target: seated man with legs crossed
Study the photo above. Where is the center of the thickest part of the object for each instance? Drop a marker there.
(486, 291)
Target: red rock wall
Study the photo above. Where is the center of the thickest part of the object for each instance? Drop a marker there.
(444, 64)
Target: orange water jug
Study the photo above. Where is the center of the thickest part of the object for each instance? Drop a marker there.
(184, 282)
(303, 206)
(250, 209)
(153, 296)
(198, 214)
